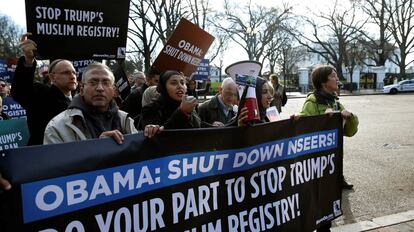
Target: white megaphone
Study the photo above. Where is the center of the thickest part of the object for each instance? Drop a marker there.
(249, 71)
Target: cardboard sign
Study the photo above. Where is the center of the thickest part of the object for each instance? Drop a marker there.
(77, 29)
(184, 50)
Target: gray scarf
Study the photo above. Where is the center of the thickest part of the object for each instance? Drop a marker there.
(98, 122)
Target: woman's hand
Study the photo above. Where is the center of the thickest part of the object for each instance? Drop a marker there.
(346, 114)
(152, 130)
(241, 121)
(330, 112)
(295, 117)
(188, 104)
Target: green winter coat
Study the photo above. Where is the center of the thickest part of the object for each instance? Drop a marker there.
(311, 108)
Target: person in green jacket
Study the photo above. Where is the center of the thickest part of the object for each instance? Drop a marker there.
(324, 100)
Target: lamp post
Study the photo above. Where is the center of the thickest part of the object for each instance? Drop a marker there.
(221, 66)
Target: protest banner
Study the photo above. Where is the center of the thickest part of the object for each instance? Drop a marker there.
(13, 134)
(184, 50)
(121, 81)
(76, 29)
(12, 108)
(283, 176)
(80, 66)
(7, 68)
(203, 71)
(4, 74)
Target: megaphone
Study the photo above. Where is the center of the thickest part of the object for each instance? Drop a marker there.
(248, 70)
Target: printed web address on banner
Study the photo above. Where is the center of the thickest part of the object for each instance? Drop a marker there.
(47, 198)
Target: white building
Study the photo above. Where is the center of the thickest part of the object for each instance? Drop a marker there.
(311, 59)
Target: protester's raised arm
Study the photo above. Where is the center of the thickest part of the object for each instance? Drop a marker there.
(28, 47)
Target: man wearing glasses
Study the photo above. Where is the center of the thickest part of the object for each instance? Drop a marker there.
(4, 89)
(218, 111)
(93, 113)
(41, 102)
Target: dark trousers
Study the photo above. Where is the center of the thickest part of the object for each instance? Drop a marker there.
(325, 227)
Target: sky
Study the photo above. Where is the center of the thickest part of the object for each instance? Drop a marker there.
(16, 10)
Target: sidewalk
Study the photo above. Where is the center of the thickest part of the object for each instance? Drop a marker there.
(400, 222)
(343, 93)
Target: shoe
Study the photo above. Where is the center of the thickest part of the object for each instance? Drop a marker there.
(346, 185)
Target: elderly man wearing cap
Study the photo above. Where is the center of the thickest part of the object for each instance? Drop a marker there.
(42, 102)
(136, 80)
(133, 103)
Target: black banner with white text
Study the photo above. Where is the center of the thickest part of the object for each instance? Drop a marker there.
(77, 29)
(283, 176)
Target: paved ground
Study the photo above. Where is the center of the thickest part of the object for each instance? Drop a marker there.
(379, 161)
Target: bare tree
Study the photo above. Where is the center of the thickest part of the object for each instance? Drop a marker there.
(165, 16)
(377, 49)
(9, 37)
(253, 28)
(278, 49)
(355, 55)
(141, 34)
(401, 13)
(201, 14)
(134, 62)
(288, 58)
(331, 39)
(152, 23)
(199, 11)
(273, 54)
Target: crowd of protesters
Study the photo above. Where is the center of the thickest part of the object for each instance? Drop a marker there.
(157, 102)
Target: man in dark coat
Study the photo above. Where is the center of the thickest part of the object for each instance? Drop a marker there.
(41, 102)
(133, 103)
(219, 110)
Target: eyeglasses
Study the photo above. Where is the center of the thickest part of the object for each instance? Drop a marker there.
(95, 83)
(67, 72)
